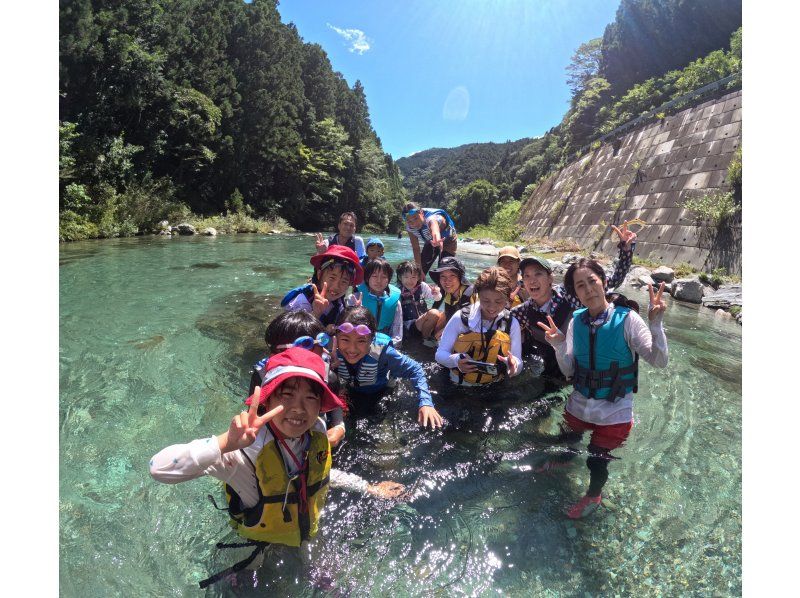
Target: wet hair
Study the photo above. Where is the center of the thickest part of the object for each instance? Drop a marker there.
(359, 315)
(494, 279)
(408, 267)
(377, 264)
(349, 215)
(593, 265)
(289, 326)
(410, 206)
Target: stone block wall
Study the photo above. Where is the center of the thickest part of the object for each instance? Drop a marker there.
(648, 174)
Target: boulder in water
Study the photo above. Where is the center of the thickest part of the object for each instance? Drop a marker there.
(570, 258)
(646, 279)
(184, 228)
(210, 231)
(725, 296)
(663, 274)
(690, 290)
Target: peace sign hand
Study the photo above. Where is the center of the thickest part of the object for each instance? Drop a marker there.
(320, 243)
(625, 236)
(356, 299)
(321, 301)
(553, 335)
(657, 304)
(514, 293)
(245, 426)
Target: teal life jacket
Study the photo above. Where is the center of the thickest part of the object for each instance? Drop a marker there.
(605, 366)
(334, 309)
(424, 233)
(383, 307)
(363, 376)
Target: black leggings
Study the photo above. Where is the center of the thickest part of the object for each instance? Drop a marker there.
(597, 461)
(429, 254)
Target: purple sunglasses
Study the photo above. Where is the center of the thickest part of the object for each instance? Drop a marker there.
(347, 328)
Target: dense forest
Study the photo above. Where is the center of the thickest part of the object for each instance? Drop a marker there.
(170, 108)
(653, 52)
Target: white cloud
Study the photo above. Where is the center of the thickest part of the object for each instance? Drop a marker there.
(355, 37)
(456, 106)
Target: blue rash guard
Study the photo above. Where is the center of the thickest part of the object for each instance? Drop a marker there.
(389, 361)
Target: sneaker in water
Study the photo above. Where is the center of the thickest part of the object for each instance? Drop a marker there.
(586, 506)
(431, 342)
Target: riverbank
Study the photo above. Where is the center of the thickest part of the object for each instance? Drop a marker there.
(712, 290)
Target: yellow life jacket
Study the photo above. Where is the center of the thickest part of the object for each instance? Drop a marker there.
(483, 346)
(276, 518)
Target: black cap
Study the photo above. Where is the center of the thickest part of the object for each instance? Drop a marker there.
(449, 263)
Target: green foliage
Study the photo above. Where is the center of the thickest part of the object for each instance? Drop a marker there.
(735, 310)
(735, 169)
(556, 209)
(237, 222)
(502, 226)
(474, 204)
(684, 269)
(714, 208)
(715, 278)
(643, 261)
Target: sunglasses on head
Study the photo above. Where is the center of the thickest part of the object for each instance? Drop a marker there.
(307, 342)
(347, 328)
(412, 212)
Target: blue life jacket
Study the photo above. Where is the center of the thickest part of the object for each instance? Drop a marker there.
(424, 233)
(363, 376)
(412, 303)
(605, 366)
(308, 291)
(383, 307)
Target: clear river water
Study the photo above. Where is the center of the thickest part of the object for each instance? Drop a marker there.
(157, 338)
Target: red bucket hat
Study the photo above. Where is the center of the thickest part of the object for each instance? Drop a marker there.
(340, 253)
(297, 362)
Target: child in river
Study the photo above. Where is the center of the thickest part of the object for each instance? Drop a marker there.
(381, 298)
(274, 458)
(483, 339)
(417, 318)
(508, 259)
(334, 271)
(600, 351)
(364, 360)
(457, 293)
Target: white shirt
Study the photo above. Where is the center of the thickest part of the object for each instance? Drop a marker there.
(650, 343)
(445, 355)
(183, 462)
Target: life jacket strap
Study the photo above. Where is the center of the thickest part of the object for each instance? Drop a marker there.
(611, 378)
(259, 547)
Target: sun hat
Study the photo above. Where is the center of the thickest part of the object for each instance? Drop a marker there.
(374, 241)
(509, 251)
(450, 263)
(535, 260)
(339, 253)
(297, 362)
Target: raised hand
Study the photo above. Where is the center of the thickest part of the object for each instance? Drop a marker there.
(512, 364)
(553, 335)
(657, 304)
(320, 243)
(357, 299)
(429, 414)
(321, 302)
(626, 236)
(436, 241)
(245, 426)
(514, 293)
(334, 353)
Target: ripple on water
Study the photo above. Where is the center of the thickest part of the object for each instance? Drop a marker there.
(162, 356)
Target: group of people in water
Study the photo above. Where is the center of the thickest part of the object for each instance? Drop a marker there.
(337, 347)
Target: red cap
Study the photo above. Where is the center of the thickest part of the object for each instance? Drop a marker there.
(297, 362)
(340, 253)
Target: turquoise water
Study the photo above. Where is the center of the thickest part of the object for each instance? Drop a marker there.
(156, 341)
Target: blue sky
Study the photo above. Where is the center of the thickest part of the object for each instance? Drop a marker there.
(440, 73)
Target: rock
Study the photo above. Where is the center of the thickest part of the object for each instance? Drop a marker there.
(542, 249)
(663, 274)
(210, 231)
(634, 275)
(165, 233)
(594, 256)
(722, 315)
(164, 225)
(466, 239)
(725, 296)
(690, 290)
(484, 242)
(274, 232)
(558, 267)
(570, 258)
(184, 228)
(646, 279)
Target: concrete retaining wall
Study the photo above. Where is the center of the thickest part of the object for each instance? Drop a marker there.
(647, 175)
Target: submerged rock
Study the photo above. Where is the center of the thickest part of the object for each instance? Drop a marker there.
(210, 231)
(724, 297)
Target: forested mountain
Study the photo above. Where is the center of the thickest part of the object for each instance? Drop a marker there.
(210, 106)
(654, 51)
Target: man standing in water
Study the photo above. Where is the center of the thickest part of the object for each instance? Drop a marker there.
(346, 236)
(435, 229)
